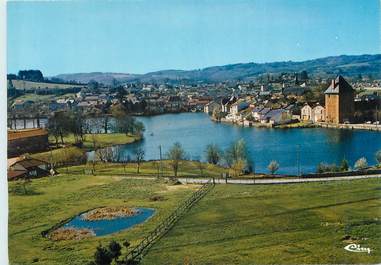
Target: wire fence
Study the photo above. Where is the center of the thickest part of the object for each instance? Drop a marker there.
(137, 253)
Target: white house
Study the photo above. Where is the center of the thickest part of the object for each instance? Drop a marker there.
(315, 114)
(211, 107)
(306, 113)
(238, 106)
(318, 113)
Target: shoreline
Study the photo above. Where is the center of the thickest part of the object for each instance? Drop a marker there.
(302, 125)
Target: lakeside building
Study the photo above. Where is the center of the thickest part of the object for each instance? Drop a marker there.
(211, 107)
(27, 141)
(227, 102)
(313, 114)
(339, 101)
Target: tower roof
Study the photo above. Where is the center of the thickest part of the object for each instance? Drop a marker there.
(338, 86)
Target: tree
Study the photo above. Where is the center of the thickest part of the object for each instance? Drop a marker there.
(238, 167)
(273, 167)
(361, 163)
(59, 125)
(115, 250)
(124, 123)
(378, 157)
(77, 126)
(31, 75)
(175, 155)
(213, 154)
(236, 153)
(105, 154)
(102, 256)
(93, 86)
(139, 156)
(95, 144)
(344, 166)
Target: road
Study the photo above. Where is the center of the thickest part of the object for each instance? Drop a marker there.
(274, 180)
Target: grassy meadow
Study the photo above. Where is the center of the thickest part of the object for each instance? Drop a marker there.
(51, 200)
(23, 84)
(102, 139)
(233, 224)
(277, 224)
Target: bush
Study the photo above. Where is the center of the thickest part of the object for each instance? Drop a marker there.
(361, 163)
(102, 256)
(114, 249)
(344, 166)
(273, 167)
(325, 168)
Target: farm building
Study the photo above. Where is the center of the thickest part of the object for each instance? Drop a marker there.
(26, 167)
(27, 141)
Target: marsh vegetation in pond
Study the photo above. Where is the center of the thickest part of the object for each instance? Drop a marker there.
(81, 227)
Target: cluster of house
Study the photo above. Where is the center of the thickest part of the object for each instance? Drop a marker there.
(339, 102)
(142, 102)
(246, 113)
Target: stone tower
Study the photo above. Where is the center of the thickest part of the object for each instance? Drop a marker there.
(339, 101)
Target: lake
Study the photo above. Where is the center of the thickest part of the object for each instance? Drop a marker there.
(313, 145)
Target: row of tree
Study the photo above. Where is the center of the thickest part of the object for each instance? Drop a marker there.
(360, 164)
(63, 123)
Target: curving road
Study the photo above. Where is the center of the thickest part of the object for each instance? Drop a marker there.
(274, 180)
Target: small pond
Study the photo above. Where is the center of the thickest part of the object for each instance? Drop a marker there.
(105, 227)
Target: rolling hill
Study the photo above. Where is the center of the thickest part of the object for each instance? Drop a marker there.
(347, 65)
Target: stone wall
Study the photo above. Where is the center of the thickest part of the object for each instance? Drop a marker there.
(332, 108)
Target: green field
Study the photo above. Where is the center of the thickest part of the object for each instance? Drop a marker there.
(22, 84)
(150, 169)
(277, 224)
(42, 98)
(102, 139)
(51, 200)
(233, 224)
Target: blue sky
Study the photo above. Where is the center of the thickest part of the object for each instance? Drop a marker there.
(142, 36)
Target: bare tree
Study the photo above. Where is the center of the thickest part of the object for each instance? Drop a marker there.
(139, 156)
(175, 155)
(213, 154)
(95, 145)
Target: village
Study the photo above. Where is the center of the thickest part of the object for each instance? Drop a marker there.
(286, 99)
(268, 108)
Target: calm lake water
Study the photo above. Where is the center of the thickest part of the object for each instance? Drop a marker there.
(195, 130)
(105, 227)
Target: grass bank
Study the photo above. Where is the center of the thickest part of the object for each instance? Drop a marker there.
(72, 153)
(51, 200)
(101, 139)
(277, 224)
(297, 125)
(150, 169)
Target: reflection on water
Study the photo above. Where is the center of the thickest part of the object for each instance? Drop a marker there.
(195, 130)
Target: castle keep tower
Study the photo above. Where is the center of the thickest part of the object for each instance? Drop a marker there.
(339, 101)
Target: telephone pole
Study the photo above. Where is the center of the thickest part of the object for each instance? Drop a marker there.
(298, 159)
(161, 165)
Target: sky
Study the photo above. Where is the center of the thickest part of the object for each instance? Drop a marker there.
(140, 36)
